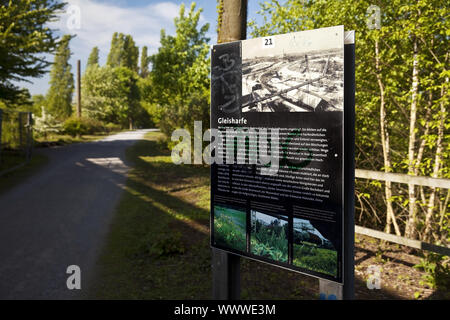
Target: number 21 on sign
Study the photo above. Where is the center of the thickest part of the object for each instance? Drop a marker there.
(268, 42)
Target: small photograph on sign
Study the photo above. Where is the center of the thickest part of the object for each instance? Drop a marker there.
(298, 75)
(311, 250)
(230, 227)
(269, 236)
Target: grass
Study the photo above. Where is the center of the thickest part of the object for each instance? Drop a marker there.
(64, 139)
(229, 228)
(10, 179)
(158, 246)
(311, 257)
(158, 243)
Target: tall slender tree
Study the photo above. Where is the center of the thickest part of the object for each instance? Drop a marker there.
(59, 96)
(129, 53)
(114, 52)
(123, 52)
(144, 62)
(93, 58)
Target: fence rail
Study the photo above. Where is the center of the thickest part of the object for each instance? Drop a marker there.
(403, 178)
(407, 179)
(403, 241)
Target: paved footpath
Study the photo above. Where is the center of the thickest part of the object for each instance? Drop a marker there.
(60, 217)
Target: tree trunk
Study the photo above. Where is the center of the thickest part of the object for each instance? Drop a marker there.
(390, 216)
(410, 230)
(436, 168)
(232, 22)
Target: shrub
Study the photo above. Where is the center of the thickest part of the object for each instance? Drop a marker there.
(112, 127)
(80, 126)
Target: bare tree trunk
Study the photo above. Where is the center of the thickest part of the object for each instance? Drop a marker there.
(390, 215)
(436, 168)
(425, 133)
(79, 89)
(410, 230)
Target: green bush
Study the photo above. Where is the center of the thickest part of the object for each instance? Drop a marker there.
(167, 244)
(437, 268)
(270, 241)
(112, 127)
(312, 257)
(229, 234)
(81, 126)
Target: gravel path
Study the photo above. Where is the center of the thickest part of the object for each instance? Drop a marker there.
(60, 217)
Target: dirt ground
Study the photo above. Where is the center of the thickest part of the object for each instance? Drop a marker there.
(399, 278)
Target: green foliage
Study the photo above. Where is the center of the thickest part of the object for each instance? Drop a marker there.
(311, 257)
(229, 228)
(437, 270)
(39, 103)
(167, 244)
(93, 57)
(123, 52)
(46, 123)
(24, 38)
(270, 241)
(80, 126)
(403, 23)
(112, 127)
(144, 72)
(59, 96)
(112, 95)
(180, 74)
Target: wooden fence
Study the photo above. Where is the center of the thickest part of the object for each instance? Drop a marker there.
(402, 178)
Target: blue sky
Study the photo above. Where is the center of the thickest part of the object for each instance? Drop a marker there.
(143, 19)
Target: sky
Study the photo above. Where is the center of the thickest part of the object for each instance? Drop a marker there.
(143, 19)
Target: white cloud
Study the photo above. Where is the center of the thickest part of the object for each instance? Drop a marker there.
(100, 20)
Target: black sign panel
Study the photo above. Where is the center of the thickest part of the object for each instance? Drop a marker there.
(277, 186)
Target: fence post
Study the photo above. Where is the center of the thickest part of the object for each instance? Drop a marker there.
(29, 131)
(20, 130)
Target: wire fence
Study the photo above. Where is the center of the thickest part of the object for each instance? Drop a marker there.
(16, 139)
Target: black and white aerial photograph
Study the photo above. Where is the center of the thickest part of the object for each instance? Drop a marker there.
(293, 73)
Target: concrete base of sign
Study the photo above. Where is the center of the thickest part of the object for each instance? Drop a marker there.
(330, 290)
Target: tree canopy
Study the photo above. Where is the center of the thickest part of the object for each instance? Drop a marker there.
(402, 100)
(93, 57)
(24, 37)
(180, 73)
